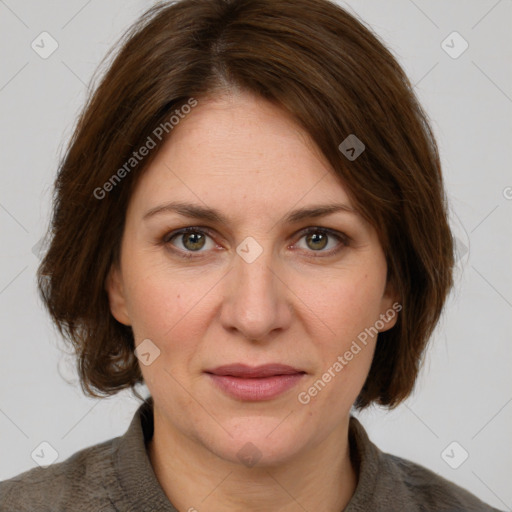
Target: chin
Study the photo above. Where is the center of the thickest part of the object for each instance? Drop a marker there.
(258, 442)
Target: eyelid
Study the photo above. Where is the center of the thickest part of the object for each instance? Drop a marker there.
(189, 229)
(329, 231)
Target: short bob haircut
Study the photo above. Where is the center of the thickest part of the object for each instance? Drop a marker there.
(317, 62)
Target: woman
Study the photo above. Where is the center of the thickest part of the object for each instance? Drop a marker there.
(250, 219)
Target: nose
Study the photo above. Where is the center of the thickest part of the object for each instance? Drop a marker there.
(257, 298)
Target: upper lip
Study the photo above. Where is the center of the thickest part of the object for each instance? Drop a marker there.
(243, 370)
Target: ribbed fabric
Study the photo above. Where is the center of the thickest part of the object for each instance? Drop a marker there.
(117, 476)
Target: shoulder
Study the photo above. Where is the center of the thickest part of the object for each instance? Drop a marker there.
(428, 491)
(77, 483)
(387, 482)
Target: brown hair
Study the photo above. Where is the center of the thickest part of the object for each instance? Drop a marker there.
(336, 78)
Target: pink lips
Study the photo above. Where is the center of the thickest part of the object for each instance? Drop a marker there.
(255, 383)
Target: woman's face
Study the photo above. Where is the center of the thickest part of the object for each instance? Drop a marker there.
(263, 286)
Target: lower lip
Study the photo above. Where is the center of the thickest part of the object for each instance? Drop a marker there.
(256, 389)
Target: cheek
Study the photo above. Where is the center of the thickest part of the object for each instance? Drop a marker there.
(346, 305)
(159, 294)
(154, 305)
(346, 348)
(170, 308)
(162, 311)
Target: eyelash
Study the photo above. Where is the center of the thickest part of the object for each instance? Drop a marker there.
(340, 237)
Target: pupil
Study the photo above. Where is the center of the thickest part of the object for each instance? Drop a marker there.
(195, 239)
(319, 237)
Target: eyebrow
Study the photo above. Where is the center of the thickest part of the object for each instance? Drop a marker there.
(210, 214)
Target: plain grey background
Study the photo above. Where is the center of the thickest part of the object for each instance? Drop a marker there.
(464, 393)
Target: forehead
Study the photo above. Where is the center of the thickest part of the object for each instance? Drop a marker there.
(239, 152)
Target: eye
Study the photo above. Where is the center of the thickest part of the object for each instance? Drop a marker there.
(317, 239)
(191, 239)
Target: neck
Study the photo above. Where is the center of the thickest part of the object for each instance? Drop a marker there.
(321, 478)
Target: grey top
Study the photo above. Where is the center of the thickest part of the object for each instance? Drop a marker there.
(117, 476)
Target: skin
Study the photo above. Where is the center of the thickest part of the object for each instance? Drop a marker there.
(295, 304)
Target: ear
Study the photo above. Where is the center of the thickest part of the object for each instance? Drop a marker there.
(116, 295)
(390, 306)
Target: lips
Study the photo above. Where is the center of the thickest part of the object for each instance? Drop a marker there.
(250, 372)
(248, 383)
